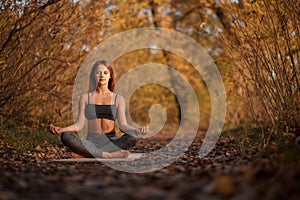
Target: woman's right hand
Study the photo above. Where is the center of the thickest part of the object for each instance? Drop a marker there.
(54, 129)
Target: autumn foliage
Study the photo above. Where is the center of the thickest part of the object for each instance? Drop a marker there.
(255, 44)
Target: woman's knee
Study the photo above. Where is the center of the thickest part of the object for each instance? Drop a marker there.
(75, 144)
(64, 137)
(133, 139)
(69, 139)
(129, 139)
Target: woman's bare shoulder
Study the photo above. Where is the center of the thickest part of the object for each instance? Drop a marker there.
(119, 97)
(84, 97)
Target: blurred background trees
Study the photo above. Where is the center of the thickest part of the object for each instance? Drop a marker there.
(255, 45)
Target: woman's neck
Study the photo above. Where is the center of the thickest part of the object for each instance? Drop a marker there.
(102, 90)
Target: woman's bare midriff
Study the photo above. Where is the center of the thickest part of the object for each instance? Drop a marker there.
(101, 126)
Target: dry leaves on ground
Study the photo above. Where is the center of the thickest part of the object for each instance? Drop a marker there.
(223, 174)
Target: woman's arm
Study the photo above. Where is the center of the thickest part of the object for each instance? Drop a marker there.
(78, 125)
(122, 122)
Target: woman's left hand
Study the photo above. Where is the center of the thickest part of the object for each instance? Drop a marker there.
(142, 131)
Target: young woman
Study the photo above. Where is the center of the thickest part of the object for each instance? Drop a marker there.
(101, 107)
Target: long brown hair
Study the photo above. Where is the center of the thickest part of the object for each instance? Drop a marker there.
(94, 82)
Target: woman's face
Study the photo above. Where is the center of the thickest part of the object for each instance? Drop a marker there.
(102, 75)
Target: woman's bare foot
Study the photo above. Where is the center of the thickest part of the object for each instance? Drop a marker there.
(116, 154)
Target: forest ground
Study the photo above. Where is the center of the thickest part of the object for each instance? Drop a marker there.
(226, 173)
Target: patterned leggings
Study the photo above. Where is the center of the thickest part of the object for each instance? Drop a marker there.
(95, 144)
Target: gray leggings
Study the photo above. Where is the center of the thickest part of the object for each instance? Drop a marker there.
(95, 144)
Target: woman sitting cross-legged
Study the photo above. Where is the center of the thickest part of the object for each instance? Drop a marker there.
(101, 107)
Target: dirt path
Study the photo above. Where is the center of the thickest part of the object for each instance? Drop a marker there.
(223, 174)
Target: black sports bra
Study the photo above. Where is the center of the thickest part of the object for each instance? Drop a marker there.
(95, 111)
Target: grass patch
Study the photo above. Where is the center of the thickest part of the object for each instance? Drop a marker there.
(22, 140)
(261, 141)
